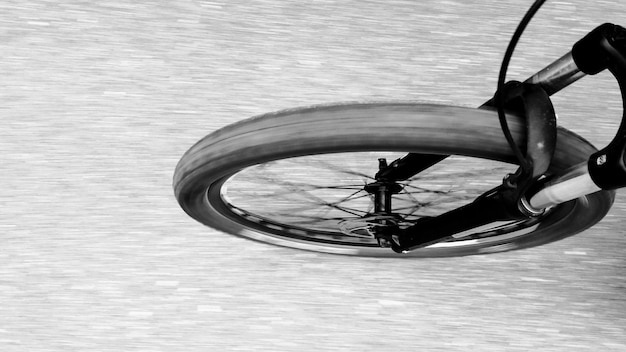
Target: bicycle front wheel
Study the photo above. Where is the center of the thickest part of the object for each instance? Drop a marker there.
(297, 178)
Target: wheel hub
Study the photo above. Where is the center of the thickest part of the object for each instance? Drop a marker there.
(382, 221)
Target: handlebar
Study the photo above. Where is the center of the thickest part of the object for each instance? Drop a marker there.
(558, 75)
(605, 48)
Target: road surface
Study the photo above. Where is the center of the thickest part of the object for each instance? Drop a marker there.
(100, 99)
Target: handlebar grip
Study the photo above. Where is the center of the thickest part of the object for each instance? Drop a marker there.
(592, 54)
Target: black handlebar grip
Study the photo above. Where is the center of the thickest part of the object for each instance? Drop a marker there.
(592, 54)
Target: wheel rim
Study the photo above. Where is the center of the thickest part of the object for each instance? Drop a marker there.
(293, 199)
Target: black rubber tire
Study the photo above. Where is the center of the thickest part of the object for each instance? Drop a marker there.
(353, 127)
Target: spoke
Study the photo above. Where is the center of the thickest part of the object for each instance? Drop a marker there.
(321, 201)
(333, 167)
(415, 200)
(317, 220)
(414, 208)
(303, 187)
(346, 209)
(447, 196)
(312, 218)
(296, 187)
(320, 205)
(461, 174)
(275, 179)
(425, 190)
(292, 192)
(351, 197)
(359, 187)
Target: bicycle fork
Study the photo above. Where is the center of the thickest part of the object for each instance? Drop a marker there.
(526, 194)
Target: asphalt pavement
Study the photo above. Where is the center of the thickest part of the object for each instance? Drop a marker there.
(99, 100)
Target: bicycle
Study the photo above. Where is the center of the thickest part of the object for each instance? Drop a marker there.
(318, 178)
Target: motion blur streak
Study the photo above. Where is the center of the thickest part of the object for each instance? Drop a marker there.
(100, 99)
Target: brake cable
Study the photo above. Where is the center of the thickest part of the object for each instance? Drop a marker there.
(499, 97)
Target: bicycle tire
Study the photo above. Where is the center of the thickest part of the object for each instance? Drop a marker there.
(350, 127)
